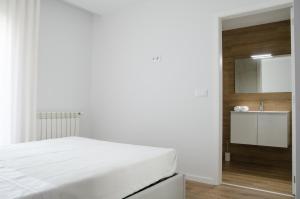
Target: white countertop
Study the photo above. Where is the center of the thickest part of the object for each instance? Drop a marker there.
(261, 112)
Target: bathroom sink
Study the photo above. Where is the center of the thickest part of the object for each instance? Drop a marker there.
(264, 112)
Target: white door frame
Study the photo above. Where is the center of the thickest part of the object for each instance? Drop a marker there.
(293, 101)
(218, 71)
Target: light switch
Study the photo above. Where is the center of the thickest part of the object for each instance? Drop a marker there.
(201, 92)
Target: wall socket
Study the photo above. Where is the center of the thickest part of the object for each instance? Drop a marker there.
(156, 59)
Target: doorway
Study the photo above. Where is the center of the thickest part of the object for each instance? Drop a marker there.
(245, 162)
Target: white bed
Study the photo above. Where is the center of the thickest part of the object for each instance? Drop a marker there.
(80, 168)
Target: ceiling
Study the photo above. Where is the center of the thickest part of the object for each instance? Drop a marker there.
(103, 6)
(257, 19)
(100, 6)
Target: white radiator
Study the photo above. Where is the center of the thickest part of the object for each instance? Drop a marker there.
(57, 124)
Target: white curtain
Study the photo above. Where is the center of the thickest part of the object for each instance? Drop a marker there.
(19, 21)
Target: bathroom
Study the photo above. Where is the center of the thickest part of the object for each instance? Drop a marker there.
(257, 102)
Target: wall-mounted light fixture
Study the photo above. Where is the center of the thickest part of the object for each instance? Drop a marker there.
(262, 56)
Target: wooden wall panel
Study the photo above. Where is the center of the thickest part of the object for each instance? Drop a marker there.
(242, 43)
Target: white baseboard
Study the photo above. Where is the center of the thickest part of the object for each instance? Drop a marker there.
(201, 179)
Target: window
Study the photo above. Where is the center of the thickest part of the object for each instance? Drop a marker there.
(5, 81)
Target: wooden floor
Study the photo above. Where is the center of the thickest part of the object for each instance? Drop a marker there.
(257, 176)
(201, 191)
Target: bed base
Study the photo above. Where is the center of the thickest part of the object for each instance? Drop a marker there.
(170, 188)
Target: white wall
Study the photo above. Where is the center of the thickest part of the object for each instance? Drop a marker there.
(64, 59)
(297, 73)
(137, 101)
(257, 19)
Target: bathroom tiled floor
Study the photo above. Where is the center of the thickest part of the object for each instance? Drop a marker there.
(257, 176)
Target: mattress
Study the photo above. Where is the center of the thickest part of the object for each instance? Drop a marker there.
(80, 168)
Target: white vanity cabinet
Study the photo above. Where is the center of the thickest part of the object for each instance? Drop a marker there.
(260, 128)
(273, 129)
(244, 128)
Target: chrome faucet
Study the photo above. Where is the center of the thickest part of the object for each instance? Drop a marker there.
(261, 105)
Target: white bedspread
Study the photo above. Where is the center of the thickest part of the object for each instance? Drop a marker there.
(80, 168)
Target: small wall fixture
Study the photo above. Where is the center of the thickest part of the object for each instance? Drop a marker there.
(263, 56)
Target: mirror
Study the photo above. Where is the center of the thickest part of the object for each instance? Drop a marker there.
(263, 75)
